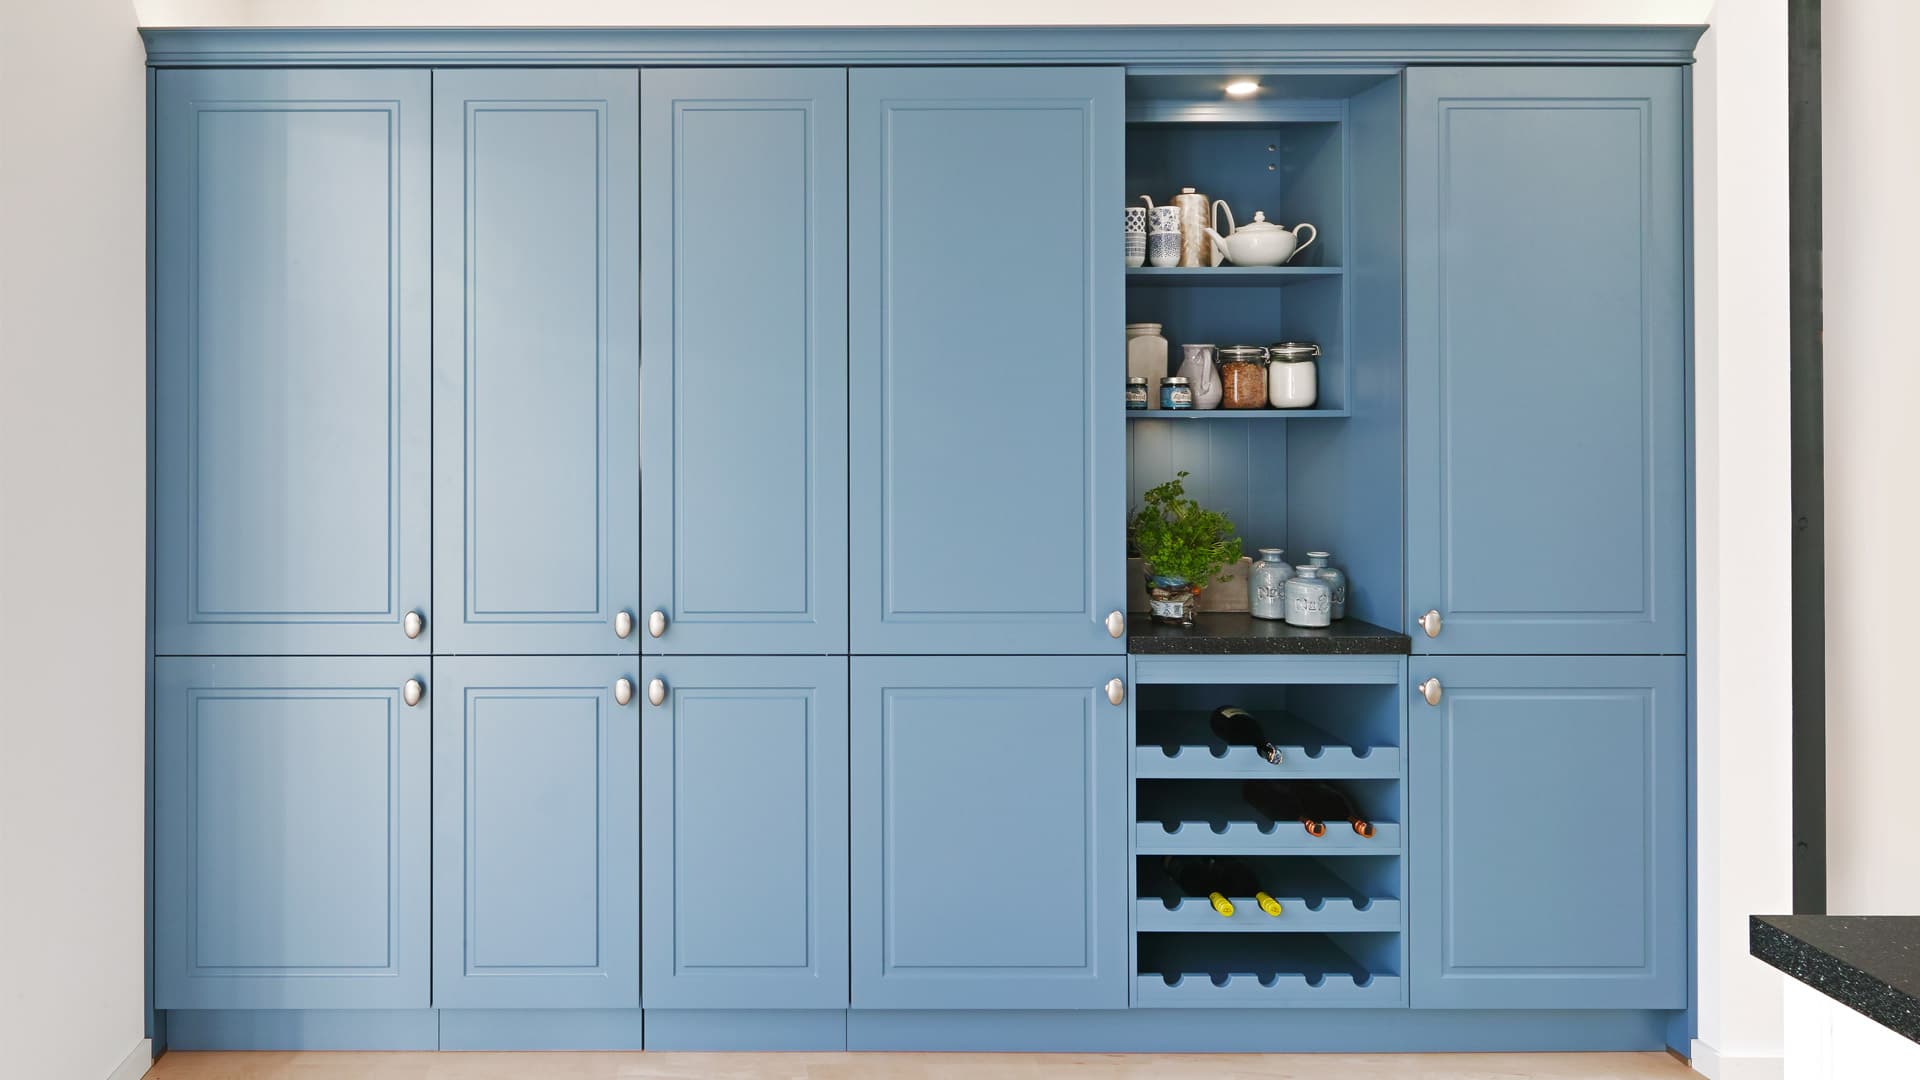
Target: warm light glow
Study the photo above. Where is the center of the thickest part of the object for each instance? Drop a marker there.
(1243, 87)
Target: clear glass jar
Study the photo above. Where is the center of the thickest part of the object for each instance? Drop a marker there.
(1293, 374)
(1267, 585)
(1309, 601)
(1243, 377)
(1335, 578)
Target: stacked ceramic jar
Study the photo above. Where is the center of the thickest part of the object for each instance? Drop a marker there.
(1314, 594)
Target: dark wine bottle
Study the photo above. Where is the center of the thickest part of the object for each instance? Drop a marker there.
(1237, 727)
(1330, 803)
(1282, 802)
(1217, 879)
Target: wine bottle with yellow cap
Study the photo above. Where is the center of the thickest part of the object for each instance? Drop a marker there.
(1218, 879)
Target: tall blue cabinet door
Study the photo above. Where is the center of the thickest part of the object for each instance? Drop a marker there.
(536, 834)
(987, 355)
(291, 361)
(1546, 360)
(744, 859)
(1548, 833)
(290, 834)
(989, 800)
(744, 210)
(536, 178)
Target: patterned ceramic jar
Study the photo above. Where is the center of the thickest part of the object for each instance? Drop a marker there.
(1137, 220)
(1335, 578)
(1309, 601)
(1267, 585)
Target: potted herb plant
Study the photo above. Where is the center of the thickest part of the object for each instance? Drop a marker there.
(1184, 546)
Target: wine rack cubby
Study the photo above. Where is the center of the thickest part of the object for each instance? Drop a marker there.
(1338, 939)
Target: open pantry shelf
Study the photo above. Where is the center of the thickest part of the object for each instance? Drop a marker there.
(1242, 970)
(1355, 894)
(1190, 415)
(1186, 816)
(1184, 276)
(1179, 744)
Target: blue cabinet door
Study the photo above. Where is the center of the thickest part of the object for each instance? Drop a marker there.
(1547, 833)
(745, 837)
(987, 360)
(744, 210)
(536, 178)
(290, 834)
(989, 801)
(536, 834)
(291, 338)
(1546, 360)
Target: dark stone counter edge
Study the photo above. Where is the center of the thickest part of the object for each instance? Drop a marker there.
(1231, 634)
(1886, 1005)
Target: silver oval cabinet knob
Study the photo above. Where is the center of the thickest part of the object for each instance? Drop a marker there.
(657, 692)
(623, 624)
(413, 624)
(413, 691)
(623, 691)
(1430, 690)
(1116, 624)
(1430, 622)
(1116, 691)
(657, 623)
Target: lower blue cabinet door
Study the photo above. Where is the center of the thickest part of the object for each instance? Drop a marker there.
(536, 834)
(745, 841)
(290, 834)
(1548, 833)
(989, 833)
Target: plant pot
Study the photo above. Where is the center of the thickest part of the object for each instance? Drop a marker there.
(1172, 600)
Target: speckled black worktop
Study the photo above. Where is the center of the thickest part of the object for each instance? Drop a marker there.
(1230, 633)
(1869, 963)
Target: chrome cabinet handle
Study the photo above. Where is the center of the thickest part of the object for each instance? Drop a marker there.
(657, 623)
(1116, 624)
(413, 692)
(1116, 691)
(657, 692)
(623, 625)
(623, 691)
(1430, 622)
(413, 624)
(1430, 690)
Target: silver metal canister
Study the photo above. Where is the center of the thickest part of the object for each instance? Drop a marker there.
(1195, 210)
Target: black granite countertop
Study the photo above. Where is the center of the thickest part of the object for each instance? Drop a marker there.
(1231, 633)
(1869, 963)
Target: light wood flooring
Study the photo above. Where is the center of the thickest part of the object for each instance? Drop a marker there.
(453, 1066)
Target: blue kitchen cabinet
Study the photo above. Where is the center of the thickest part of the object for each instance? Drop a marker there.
(1547, 833)
(290, 834)
(744, 777)
(744, 211)
(989, 826)
(1546, 360)
(536, 833)
(536, 181)
(291, 361)
(988, 451)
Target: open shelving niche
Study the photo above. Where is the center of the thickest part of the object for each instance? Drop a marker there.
(1310, 146)
(1339, 940)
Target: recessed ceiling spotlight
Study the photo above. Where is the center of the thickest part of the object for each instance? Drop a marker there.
(1243, 88)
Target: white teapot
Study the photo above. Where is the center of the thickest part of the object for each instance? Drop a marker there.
(1259, 242)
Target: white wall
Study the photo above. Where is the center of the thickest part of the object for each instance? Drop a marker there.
(72, 538)
(1871, 127)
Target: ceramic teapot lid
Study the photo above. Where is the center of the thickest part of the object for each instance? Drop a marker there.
(1261, 224)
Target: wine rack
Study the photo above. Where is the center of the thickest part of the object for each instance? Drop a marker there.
(1339, 937)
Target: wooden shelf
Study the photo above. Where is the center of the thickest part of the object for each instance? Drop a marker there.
(1270, 276)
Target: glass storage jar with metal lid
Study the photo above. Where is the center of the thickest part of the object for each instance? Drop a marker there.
(1136, 392)
(1176, 392)
(1243, 377)
(1293, 374)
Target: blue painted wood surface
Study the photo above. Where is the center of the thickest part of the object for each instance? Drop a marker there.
(1548, 836)
(291, 355)
(536, 830)
(536, 360)
(1546, 360)
(987, 360)
(745, 282)
(291, 840)
(540, 1029)
(745, 850)
(989, 833)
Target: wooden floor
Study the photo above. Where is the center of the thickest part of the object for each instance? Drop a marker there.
(451, 1066)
